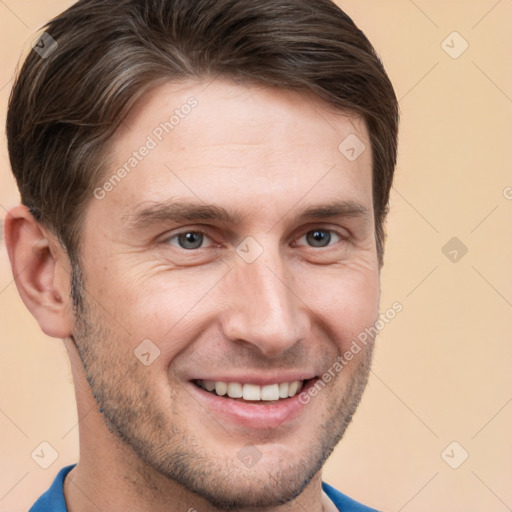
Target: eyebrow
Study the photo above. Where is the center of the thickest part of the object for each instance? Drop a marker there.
(185, 211)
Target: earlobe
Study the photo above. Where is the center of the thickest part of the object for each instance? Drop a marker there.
(41, 271)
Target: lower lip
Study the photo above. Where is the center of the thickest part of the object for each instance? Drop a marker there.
(251, 415)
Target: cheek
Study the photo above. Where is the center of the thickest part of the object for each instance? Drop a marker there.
(162, 305)
(345, 300)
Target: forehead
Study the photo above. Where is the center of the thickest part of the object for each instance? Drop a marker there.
(223, 142)
(222, 111)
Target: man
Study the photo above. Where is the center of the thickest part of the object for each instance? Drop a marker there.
(204, 186)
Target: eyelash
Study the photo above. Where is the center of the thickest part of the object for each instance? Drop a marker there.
(341, 237)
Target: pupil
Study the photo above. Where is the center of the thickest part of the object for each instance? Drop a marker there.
(319, 238)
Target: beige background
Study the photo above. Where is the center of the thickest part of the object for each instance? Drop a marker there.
(442, 366)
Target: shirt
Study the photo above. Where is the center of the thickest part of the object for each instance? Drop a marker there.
(53, 499)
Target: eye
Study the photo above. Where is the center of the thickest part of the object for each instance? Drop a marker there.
(188, 240)
(321, 237)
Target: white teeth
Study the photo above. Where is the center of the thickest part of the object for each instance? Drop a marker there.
(221, 388)
(293, 388)
(270, 392)
(253, 392)
(235, 390)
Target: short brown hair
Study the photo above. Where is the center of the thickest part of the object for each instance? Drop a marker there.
(64, 108)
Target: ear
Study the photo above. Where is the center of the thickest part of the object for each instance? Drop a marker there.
(41, 270)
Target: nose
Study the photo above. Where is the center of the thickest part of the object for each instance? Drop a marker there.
(265, 309)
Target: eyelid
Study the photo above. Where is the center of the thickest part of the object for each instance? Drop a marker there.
(334, 228)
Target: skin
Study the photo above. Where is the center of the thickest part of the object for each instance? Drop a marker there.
(266, 153)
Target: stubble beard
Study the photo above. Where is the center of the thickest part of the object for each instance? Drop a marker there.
(121, 386)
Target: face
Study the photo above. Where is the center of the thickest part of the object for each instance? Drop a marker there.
(232, 264)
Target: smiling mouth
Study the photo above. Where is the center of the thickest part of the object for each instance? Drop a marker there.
(247, 392)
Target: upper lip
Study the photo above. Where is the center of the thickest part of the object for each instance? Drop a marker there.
(274, 377)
